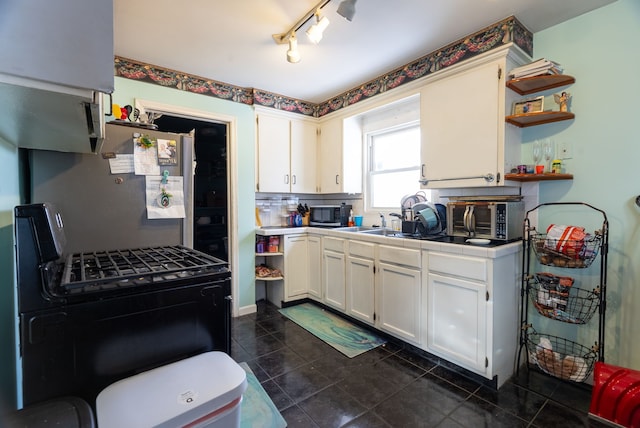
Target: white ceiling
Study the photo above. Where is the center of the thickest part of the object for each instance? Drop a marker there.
(231, 40)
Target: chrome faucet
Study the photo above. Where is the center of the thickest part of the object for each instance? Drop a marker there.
(383, 221)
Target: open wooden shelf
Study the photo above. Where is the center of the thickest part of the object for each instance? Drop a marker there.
(529, 85)
(539, 118)
(538, 177)
(269, 278)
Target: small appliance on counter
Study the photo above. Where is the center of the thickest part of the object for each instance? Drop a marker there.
(329, 215)
(486, 218)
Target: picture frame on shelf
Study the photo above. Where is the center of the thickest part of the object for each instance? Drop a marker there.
(530, 105)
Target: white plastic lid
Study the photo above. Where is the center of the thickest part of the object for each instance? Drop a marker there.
(177, 393)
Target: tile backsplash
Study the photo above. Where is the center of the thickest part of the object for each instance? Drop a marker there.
(273, 208)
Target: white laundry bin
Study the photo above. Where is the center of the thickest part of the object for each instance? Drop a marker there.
(201, 391)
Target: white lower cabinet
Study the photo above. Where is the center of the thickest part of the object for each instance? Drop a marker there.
(333, 272)
(462, 308)
(472, 311)
(296, 266)
(399, 298)
(314, 251)
(361, 281)
(457, 321)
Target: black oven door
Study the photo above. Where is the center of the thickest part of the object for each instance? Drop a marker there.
(81, 349)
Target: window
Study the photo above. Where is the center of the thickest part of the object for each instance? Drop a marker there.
(393, 165)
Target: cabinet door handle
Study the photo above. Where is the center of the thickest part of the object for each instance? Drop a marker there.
(286, 179)
(337, 179)
(488, 177)
(293, 179)
(422, 171)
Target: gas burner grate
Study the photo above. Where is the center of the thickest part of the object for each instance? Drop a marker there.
(106, 270)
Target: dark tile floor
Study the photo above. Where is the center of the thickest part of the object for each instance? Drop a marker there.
(313, 385)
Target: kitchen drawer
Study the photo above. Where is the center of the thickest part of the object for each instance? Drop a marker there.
(362, 249)
(333, 244)
(399, 256)
(462, 266)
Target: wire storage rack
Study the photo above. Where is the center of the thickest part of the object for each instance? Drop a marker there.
(549, 285)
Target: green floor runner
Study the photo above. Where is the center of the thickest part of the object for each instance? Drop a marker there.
(344, 336)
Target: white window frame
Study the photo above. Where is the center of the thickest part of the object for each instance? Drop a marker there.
(369, 136)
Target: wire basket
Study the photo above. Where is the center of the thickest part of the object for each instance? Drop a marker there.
(566, 253)
(571, 304)
(560, 357)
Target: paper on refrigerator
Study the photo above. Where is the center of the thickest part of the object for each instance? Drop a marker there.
(164, 200)
(145, 160)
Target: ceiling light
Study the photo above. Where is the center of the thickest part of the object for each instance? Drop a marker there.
(347, 9)
(293, 55)
(315, 31)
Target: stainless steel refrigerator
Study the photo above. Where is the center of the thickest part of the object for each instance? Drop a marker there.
(102, 210)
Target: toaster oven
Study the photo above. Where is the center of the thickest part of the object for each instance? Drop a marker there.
(485, 219)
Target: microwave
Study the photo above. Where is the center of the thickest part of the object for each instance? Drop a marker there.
(329, 215)
(485, 219)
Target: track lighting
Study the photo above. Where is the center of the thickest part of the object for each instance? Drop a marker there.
(315, 31)
(293, 55)
(347, 9)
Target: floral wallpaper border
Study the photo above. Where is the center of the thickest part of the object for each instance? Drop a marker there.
(506, 31)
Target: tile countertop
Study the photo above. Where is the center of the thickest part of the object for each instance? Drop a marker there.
(492, 252)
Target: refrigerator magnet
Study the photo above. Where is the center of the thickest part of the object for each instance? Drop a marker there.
(164, 199)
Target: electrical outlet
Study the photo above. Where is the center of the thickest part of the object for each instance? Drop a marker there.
(565, 151)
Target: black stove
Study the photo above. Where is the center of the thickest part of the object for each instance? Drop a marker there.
(106, 271)
(89, 319)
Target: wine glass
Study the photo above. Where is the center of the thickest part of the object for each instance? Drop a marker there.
(549, 152)
(537, 153)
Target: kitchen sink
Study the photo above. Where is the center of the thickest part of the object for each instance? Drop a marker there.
(371, 231)
(382, 232)
(356, 229)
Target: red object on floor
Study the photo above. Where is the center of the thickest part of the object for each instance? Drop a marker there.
(616, 394)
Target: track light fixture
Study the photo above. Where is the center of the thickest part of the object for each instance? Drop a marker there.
(293, 55)
(347, 9)
(315, 31)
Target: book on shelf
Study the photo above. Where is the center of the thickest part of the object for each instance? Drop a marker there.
(536, 68)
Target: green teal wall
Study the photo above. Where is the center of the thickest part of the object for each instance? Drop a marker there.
(600, 50)
(126, 91)
(9, 191)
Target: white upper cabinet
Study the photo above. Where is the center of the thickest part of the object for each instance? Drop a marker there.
(273, 154)
(286, 154)
(340, 156)
(304, 136)
(331, 177)
(465, 141)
